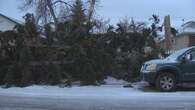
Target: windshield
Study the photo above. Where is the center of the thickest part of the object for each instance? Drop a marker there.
(176, 54)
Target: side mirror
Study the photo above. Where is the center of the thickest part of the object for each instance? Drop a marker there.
(186, 58)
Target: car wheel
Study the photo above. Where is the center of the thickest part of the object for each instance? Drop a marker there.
(166, 82)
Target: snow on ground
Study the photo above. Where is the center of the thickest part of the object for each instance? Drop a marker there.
(114, 81)
(103, 92)
(75, 91)
(109, 91)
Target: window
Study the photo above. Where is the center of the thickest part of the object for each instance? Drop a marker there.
(193, 55)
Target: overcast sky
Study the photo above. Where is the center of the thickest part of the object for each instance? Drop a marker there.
(118, 9)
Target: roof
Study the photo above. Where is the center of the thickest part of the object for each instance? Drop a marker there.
(190, 24)
(188, 27)
(11, 19)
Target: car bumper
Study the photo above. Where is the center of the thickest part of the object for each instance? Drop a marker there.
(148, 76)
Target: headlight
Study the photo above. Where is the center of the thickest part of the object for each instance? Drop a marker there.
(151, 67)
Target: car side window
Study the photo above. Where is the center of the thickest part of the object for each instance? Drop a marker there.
(193, 55)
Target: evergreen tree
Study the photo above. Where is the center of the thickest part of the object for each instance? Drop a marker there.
(30, 28)
(78, 17)
(155, 25)
(49, 34)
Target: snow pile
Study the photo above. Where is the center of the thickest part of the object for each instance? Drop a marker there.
(140, 85)
(114, 81)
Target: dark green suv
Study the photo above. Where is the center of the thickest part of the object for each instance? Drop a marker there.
(166, 73)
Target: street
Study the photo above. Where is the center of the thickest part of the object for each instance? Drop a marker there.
(93, 98)
(141, 103)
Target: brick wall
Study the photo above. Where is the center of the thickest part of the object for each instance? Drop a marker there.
(181, 42)
(191, 40)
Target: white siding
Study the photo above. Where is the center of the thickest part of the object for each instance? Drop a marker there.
(6, 24)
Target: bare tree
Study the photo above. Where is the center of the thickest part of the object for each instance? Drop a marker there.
(126, 25)
(91, 10)
(46, 10)
(102, 26)
(136, 26)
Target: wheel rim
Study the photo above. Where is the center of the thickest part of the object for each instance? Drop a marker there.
(166, 83)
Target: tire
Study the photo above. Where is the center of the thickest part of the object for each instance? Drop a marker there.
(166, 82)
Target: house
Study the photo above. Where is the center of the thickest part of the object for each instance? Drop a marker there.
(171, 41)
(185, 37)
(7, 23)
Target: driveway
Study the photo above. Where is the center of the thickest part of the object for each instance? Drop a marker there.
(107, 97)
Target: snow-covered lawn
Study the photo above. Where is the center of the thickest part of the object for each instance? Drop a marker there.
(112, 90)
(105, 91)
(75, 91)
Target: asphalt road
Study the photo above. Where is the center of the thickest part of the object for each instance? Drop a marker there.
(135, 103)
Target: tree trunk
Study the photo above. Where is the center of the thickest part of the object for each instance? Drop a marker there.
(49, 4)
(91, 9)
